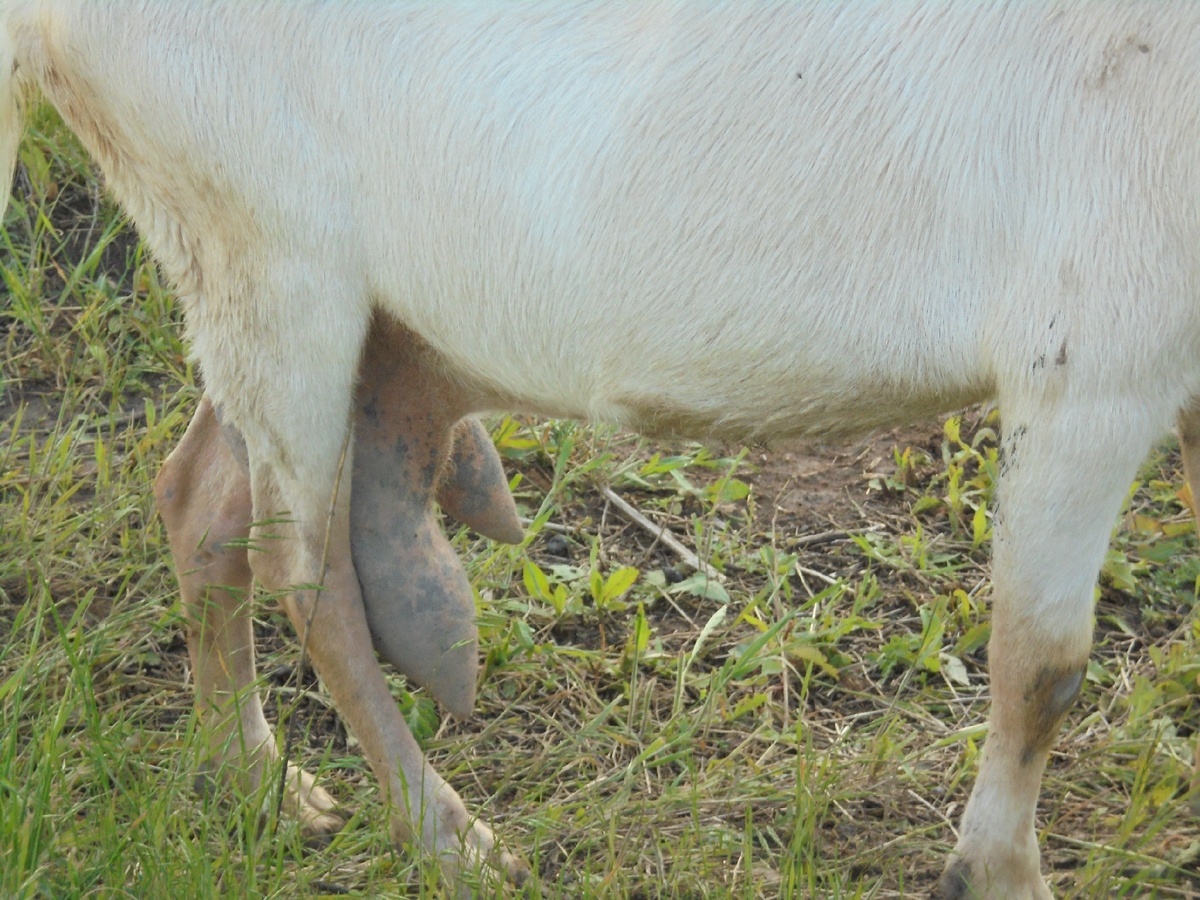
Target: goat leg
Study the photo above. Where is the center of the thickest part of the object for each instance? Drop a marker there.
(203, 494)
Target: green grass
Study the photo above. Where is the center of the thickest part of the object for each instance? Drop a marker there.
(809, 726)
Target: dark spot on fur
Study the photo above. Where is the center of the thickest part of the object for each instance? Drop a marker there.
(237, 445)
(1008, 449)
(1047, 701)
(1113, 63)
(1061, 359)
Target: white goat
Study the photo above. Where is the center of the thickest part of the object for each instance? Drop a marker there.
(745, 218)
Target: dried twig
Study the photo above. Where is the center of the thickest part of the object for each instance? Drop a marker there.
(660, 533)
(548, 526)
(820, 537)
(823, 537)
(805, 570)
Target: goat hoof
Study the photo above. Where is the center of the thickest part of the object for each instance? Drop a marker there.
(960, 881)
(480, 853)
(955, 883)
(517, 872)
(310, 805)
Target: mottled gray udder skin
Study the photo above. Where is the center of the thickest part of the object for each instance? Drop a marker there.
(409, 445)
(419, 605)
(473, 489)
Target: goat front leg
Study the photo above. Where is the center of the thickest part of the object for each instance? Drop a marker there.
(203, 495)
(1064, 474)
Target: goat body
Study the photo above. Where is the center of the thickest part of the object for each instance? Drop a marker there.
(746, 219)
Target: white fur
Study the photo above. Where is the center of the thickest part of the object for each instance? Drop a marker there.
(743, 218)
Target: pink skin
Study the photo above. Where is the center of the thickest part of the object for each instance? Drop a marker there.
(203, 495)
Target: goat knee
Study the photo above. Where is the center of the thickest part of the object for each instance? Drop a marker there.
(1046, 701)
(203, 496)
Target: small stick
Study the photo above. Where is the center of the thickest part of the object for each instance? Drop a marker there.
(804, 570)
(660, 532)
(822, 537)
(548, 526)
(819, 538)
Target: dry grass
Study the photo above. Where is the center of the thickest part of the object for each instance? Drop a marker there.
(807, 728)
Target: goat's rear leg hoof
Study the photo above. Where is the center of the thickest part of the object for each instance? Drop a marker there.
(308, 806)
(467, 850)
(311, 807)
(516, 871)
(481, 852)
(955, 883)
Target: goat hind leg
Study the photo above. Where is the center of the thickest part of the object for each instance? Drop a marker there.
(203, 495)
(1064, 474)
